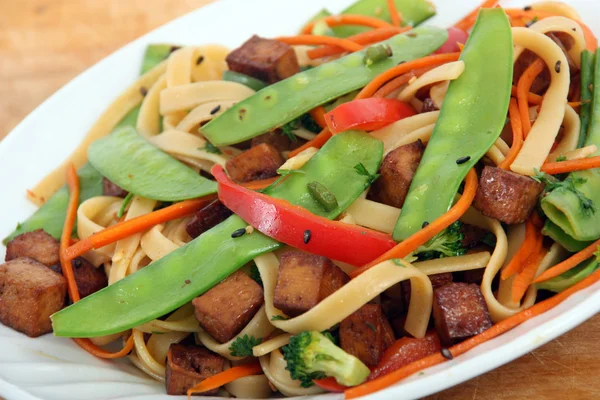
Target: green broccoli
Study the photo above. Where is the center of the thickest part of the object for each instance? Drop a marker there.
(242, 346)
(447, 243)
(312, 355)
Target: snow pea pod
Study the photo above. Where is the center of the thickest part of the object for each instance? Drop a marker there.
(571, 277)
(252, 83)
(202, 263)
(154, 55)
(554, 232)
(288, 99)
(587, 82)
(128, 160)
(471, 119)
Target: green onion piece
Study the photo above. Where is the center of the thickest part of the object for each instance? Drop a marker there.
(376, 54)
(252, 83)
(322, 196)
(124, 205)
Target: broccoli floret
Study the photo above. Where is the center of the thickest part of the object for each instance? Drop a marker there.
(242, 346)
(447, 243)
(312, 355)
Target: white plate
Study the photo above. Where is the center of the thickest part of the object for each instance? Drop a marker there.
(55, 368)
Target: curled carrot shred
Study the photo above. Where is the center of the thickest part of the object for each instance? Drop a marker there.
(394, 14)
(347, 19)
(569, 263)
(223, 378)
(363, 38)
(345, 44)
(517, 129)
(562, 167)
(532, 235)
(469, 19)
(317, 142)
(523, 87)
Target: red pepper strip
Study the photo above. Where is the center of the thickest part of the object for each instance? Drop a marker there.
(330, 384)
(367, 114)
(404, 351)
(287, 223)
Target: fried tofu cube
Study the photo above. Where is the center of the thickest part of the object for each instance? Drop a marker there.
(459, 311)
(397, 171)
(278, 140)
(207, 217)
(366, 334)
(112, 189)
(37, 245)
(29, 293)
(304, 280)
(265, 59)
(188, 365)
(88, 278)
(259, 162)
(227, 308)
(506, 196)
(437, 280)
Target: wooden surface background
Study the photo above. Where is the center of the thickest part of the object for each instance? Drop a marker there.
(46, 43)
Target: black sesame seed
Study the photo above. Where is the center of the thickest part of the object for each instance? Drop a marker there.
(447, 354)
(574, 29)
(425, 224)
(307, 235)
(463, 160)
(174, 48)
(199, 60)
(557, 67)
(526, 8)
(215, 110)
(401, 62)
(238, 233)
(187, 281)
(143, 91)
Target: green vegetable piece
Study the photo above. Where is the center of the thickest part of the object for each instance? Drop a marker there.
(593, 134)
(288, 99)
(469, 123)
(320, 15)
(571, 277)
(129, 161)
(155, 54)
(447, 243)
(124, 204)
(242, 346)
(554, 232)
(377, 53)
(311, 355)
(587, 82)
(413, 13)
(161, 287)
(323, 196)
(252, 83)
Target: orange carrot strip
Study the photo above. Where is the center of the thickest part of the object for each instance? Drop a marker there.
(222, 378)
(569, 263)
(561, 167)
(65, 238)
(523, 87)
(347, 19)
(470, 18)
(403, 68)
(525, 278)
(517, 23)
(368, 37)
(517, 128)
(318, 114)
(346, 44)
(394, 14)
(399, 81)
(516, 263)
(404, 248)
(259, 184)
(136, 225)
(591, 42)
(317, 142)
(532, 98)
(91, 348)
(463, 347)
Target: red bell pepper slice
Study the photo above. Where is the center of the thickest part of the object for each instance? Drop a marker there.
(330, 384)
(455, 36)
(367, 114)
(287, 223)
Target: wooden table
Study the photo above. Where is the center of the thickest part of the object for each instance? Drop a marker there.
(45, 43)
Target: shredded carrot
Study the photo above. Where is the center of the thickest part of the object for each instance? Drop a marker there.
(523, 87)
(517, 129)
(405, 247)
(368, 37)
(318, 114)
(517, 23)
(461, 348)
(225, 377)
(562, 167)
(91, 348)
(394, 14)
(516, 263)
(259, 184)
(525, 278)
(569, 263)
(470, 18)
(346, 44)
(347, 19)
(591, 42)
(317, 142)
(532, 98)
(400, 81)
(403, 68)
(136, 225)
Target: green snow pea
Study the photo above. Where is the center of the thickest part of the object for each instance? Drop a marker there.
(154, 55)
(252, 83)
(587, 81)
(471, 119)
(593, 134)
(202, 263)
(127, 159)
(571, 277)
(554, 232)
(288, 99)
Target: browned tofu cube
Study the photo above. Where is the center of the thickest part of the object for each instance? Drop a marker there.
(112, 189)
(366, 334)
(259, 162)
(459, 311)
(37, 245)
(227, 308)
(397, 171)
(89, 279)
(437, 280)
(304, 280)
(207, 217)
(29, 293)
(265, 59)
(278, 140)
(473, 235)
(188, 365)
(506, 196)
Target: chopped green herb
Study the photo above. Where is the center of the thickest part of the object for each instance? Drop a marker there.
(568, 185)
(376, 54)
(371, 326)
(362, 170)
(288, 130)
(309, 123)
(322, 195)
(242, 346)
(124, 205)
(561, 158)
(210, 148)
(400, 263)
(278, 318)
